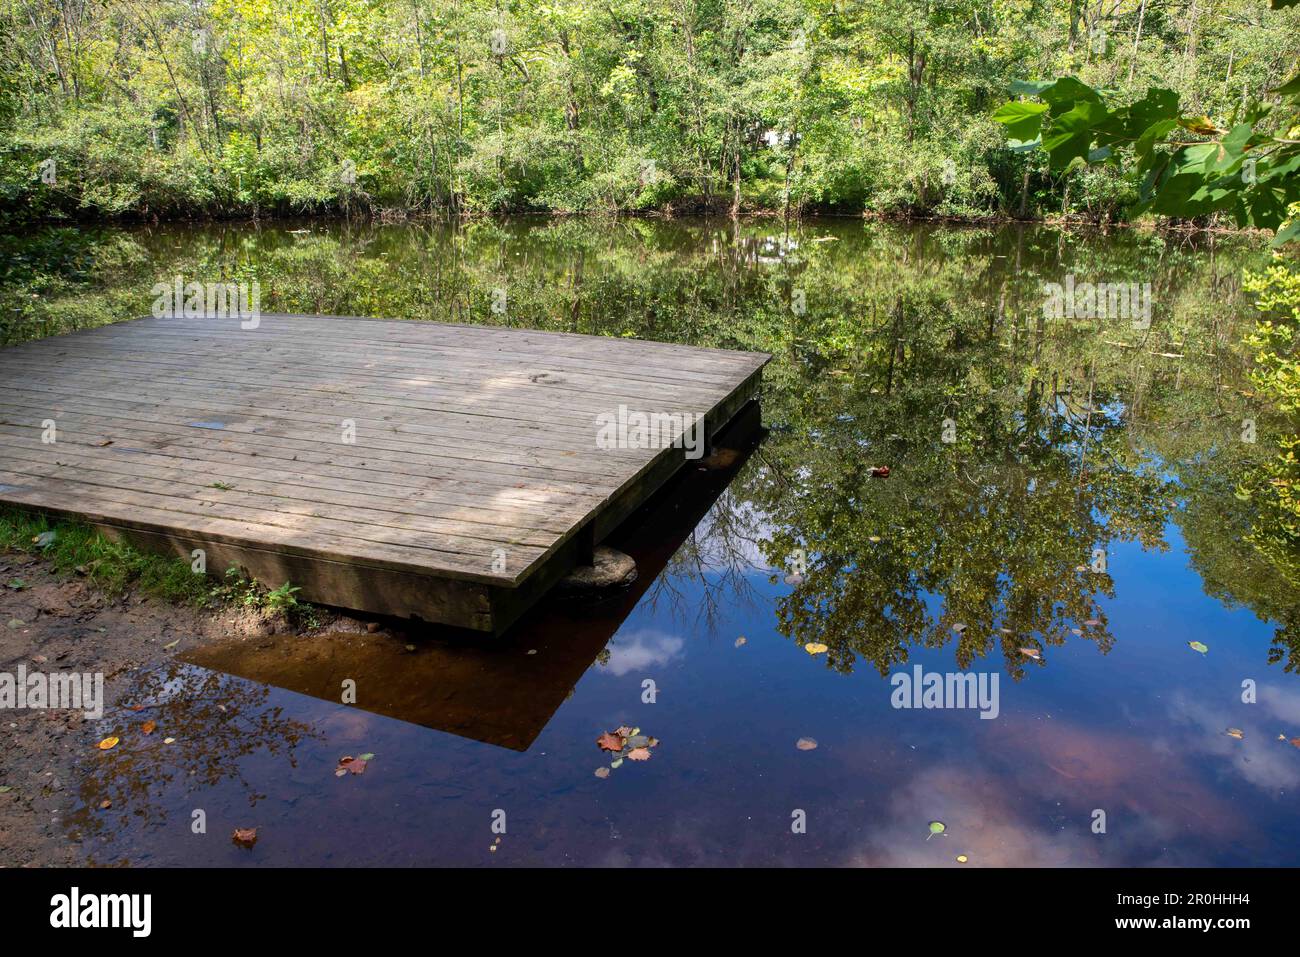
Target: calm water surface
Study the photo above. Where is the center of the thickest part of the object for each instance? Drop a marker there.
(1076, 535)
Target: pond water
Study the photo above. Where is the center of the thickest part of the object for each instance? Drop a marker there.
(1060, 521)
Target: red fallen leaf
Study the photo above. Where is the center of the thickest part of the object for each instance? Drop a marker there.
(149, 726)
(245, 836)
(639, 754)
(1295, 741)
(623, 731)
(610, 741)
(137, 707)
(880, 471)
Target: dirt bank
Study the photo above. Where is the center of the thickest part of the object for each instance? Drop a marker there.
(55, 623)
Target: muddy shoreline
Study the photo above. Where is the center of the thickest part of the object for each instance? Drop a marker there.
(61, 623)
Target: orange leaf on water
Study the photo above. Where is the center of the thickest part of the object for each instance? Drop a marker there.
(245, 836)
(610, 741)
(639, 754)
(149, 726)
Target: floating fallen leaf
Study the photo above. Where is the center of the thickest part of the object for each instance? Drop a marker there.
(171, 645)
(168, 740)
(368, 756)
(1092, 622)
(815, 648)
(794, 578)
(149, 726)
(1235, 733)
(740, 641)
(350, 764)
(1294, 741)
(602, 772)
(961, 858)
(936, 827)
(1032, 653)
(1077, 631)
(1197, 646)
(610, 741)
(959, 627)
(874, 539)
(105, 804)
(245, 836)
(639, 754)
(806, 744)
(107, 743)
(624, 731)
(616, 763)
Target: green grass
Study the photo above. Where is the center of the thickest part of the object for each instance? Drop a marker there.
(116, 568)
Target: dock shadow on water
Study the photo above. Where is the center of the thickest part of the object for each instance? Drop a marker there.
(1070, 517)
(500, 691)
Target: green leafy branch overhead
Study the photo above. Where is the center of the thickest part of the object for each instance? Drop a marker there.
(1188, 166)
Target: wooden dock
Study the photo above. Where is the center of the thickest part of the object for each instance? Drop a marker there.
(443, 472)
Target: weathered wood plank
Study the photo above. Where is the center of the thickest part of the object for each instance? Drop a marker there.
(473, 482)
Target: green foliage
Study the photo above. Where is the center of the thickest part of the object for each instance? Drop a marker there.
(272, 107)
(1187, 166)
(1275, 487)
(115, 567)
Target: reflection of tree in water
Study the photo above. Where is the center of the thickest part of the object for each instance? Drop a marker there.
(998, 531)
(707, 579)
(215, 719)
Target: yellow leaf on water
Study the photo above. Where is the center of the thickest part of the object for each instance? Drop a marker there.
(107, 743)
(815, 648)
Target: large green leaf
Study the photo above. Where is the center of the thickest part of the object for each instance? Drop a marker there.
(1021, 118)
